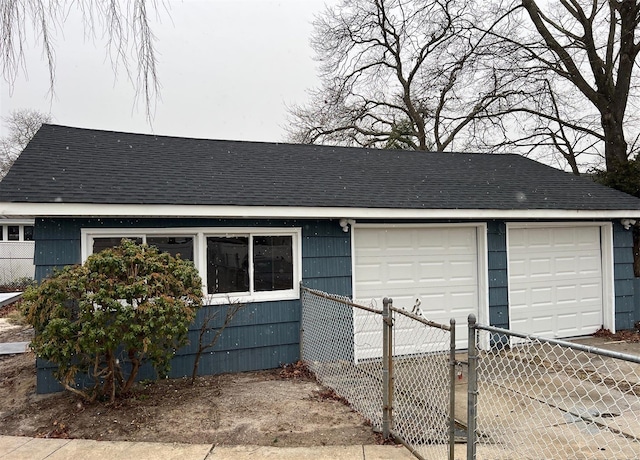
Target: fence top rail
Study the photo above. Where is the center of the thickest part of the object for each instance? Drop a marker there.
(324, 295)
(420, 319)
(563, 343)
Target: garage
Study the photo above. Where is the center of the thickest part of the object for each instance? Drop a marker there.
(436, 266)
(558, 279)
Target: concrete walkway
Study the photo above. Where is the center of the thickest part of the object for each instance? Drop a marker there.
(14, 348)
(18, 448)
(7, 298)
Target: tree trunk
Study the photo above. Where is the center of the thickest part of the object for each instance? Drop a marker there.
(615, 145)
(135, 367)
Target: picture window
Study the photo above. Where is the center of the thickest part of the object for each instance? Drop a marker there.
(239, 264)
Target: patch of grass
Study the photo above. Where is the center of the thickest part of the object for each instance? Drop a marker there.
(17, 318)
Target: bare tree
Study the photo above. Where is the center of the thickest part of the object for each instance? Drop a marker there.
(402, 73)
(125, 24)
(552, 80)
(209, 333)
(21, 125)
(580, 58)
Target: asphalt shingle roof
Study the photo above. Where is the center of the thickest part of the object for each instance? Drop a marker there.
(73, 165)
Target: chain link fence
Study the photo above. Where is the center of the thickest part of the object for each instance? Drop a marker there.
(527, 397)
(423, 378)
(537, 398)
(330, 337)
(16, 264)
(393, 367)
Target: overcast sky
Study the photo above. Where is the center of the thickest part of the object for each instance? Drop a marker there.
(228, 68)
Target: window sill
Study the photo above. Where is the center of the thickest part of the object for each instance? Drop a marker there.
(226, 299)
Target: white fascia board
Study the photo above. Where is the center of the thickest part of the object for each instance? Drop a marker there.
(298, 212)
(16, 220)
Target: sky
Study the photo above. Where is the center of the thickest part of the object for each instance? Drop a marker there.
(228, 69)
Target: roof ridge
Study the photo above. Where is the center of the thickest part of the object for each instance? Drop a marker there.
(237, 141)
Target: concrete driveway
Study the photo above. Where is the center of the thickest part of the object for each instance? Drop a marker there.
(552, 403)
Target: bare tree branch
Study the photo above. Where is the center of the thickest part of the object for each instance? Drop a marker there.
(125, 24)
(400, 73)
(21, 125)
(595, 51)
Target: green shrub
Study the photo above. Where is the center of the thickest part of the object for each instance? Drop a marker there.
(17, 318)
(122, 307)
(626, 177)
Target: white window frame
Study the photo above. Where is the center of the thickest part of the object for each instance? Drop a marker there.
(200, 235)
(21, 224)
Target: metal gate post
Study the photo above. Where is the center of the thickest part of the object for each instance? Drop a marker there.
(452, 389)
(472, 390)
(387, 367)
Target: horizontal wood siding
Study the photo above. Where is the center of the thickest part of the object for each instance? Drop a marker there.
(326, 257)
(498, 277)
(636, 301)
(263, 335)
(623, 277)
(57, 244)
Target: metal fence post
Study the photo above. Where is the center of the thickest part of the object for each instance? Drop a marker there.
(302, 322)
(472, 390)
(452, 389)
(387, 367)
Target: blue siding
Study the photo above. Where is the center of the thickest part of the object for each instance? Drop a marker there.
(623, 277)
(267, 334)
(326, 258)
(636, 299)
(498, 278)
(263, 335)
(57, 244)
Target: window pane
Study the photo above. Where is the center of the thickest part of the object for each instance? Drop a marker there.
(28, 232)
(14, 232)
(174, 245)
(227, 264)
(103, 243)
(273, 263)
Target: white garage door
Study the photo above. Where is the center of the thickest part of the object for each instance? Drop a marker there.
(555, 281)
(436, 265)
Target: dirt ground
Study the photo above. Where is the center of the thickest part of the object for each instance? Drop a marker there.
(282, 407)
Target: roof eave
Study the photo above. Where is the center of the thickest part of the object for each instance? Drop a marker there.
(11, 209)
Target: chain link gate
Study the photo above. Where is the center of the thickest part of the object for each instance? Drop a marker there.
(527, 396)
(393, 367)
(531, 397)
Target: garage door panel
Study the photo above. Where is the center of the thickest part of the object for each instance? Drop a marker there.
(370, 243)
(517, 269)
(589, 265)
(555, 279)
(567, 294)
(567, 265)
(541, 266)
(369, 272)
(436, 265)
(465, 298)
(438, 238)
(399, 272)
(539, 296)
(591, 318)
